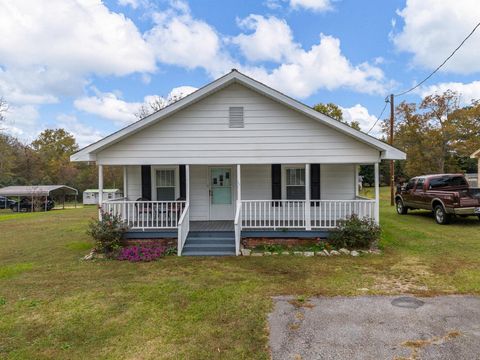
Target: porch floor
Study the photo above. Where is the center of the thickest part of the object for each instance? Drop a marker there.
(220, 225)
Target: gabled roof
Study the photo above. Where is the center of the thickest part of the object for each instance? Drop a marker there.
(37, 190)
(475, 154)
(88, 153)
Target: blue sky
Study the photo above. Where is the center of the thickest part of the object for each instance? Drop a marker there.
(88, 65)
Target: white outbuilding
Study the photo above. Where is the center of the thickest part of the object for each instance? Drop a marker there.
(90, 196)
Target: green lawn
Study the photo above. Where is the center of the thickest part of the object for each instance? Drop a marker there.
(53, 305)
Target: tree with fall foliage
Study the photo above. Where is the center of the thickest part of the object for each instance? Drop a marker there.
(438, 134)
(332, 110)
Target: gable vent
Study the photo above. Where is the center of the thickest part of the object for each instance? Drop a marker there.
(236, 117)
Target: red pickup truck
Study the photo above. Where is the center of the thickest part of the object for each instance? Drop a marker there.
(446, 195)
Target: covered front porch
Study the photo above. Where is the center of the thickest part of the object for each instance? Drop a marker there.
(265, 200)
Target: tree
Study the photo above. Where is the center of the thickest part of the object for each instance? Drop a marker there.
(332, 110)
(154, 104)
(437, 135)
(54, 147)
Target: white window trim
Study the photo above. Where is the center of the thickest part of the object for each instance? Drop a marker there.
(284, 177)
(154, 180)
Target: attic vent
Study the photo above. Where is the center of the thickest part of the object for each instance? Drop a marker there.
(236, 117)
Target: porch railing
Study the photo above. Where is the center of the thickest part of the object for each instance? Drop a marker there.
(183, 229)
(288, 214)
(147, 214)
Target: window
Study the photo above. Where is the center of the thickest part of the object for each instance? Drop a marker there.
(295, 183)
(445, 181)
(420, 183)
(411, 184)
(165, 184)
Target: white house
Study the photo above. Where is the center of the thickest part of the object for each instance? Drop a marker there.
(239, 157)
(91, 196)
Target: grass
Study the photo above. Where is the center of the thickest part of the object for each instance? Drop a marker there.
(53, 305)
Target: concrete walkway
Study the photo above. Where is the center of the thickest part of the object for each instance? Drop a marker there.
(376, 327)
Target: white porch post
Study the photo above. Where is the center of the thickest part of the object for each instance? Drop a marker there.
(125, 193)
(239, 184)
(125, 182)
(100, 191)
(377, 193)
(357, 192)
(187, 183)
(308, 222)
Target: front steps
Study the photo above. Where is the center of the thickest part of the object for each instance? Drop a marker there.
(209, 243)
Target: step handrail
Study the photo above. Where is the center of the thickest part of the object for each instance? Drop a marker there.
(238, 227)
(183, 228)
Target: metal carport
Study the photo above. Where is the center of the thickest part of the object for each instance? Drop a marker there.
(39, 191)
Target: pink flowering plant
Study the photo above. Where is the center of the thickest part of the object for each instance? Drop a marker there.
(137, 253)
(107, 233)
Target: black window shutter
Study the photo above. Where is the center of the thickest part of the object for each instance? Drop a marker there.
(276, 183)
(183, 184)
(147, 182)
(315, 181)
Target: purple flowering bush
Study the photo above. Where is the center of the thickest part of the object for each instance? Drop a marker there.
(141, 253)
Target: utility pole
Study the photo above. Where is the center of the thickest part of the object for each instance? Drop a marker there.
(392, 167)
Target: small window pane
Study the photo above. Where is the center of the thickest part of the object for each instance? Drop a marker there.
(296, 176)
(166, 177)
(165, 193)
(296, 192)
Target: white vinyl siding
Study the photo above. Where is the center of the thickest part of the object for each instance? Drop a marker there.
(199, 196)
(256, 182)
(337, 182)
(273, 133)
(134, 182)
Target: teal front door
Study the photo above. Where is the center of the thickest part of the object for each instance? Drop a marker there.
(221, 193)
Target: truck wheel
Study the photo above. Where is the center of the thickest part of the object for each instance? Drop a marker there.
(441, 216)
(401, 208)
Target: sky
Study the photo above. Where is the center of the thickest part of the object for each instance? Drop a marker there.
(88, 65)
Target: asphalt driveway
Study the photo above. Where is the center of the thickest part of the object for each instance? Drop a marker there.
(376, 327)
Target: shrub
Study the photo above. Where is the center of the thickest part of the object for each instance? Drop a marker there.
(141, 253)
(107, 233)
(355, 233)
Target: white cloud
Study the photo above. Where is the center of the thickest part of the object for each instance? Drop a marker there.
(433, 29)
(181, 91)
(22, 122)
(179, 39)
(323, 66)
(271, 40)
(84, 134)
(467, 91)
(61, 42)
(366, 120)
(110, 105)
(314, 5)
(133, 3)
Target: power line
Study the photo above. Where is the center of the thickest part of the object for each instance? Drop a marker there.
(443, 63)
(379, 116)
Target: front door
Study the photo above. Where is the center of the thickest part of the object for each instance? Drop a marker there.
(221, 193)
